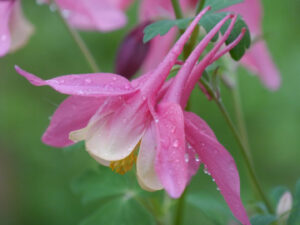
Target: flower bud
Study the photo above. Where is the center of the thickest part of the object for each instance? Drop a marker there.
(284, 205)
(132, 52)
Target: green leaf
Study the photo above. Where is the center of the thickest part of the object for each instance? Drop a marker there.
(210, 207)
(217, 5)
(208, 22)
(162, 27)
(262, 219)
(120, 211)
(96, 185)
(294, 218)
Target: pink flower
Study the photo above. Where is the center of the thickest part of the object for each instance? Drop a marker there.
(177, 142)
(106, 110)
(102, 15)
(15, 30)
(258, 58)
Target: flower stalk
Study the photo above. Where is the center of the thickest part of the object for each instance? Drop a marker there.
(80, 43)
(253, 176)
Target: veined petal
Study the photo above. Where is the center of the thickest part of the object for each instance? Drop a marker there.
(74, 113)
(219, 164)
(259, 61)
(147, 176)
(21, 28)
(170, 164)
(6, 8)
(104, 15)
(113, 136)
(92, 85)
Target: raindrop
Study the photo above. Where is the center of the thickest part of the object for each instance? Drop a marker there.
(39, 2)
(88, 80)
(186, 158)
(156, 120)
(206, 171)
(175, 143)
(53, 7)
(213, 180)
(197, 159)
(3, 37)
(66, 13)
(218, 189)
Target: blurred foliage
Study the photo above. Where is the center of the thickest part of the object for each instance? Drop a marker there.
(35, 179)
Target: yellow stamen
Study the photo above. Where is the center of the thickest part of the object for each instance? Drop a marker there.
(124, 165)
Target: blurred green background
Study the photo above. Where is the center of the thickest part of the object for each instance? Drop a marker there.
(35, 179)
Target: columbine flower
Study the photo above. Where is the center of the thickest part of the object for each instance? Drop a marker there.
(177, 142)
(102, 15)
(107, 111)
(15, 30)
(257, 58)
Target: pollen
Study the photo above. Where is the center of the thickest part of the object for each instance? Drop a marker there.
(124, 165)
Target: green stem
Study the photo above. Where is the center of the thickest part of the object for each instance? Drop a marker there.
(180, 209)
(80, 43)
(236, 99)
(249, 166)
(177, 9)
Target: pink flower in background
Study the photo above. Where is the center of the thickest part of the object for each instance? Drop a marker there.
(15, 30)
(257, 58)
(102, 15)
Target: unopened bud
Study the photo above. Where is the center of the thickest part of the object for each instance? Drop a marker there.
(132, 52)
(284, 205)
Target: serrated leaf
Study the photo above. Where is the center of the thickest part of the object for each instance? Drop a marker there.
(294, 218)
(96, 185)
(262, 219)
(217, 5)
(120, 211)
(210, 206)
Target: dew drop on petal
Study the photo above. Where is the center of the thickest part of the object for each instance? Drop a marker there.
(186, 157)
(175, 143)
(88, 80)
(156, 120)
(218, 189)
(66, 13)
(53, 7)
(197, 159)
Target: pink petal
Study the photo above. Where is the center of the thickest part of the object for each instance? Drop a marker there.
(113, 135)
(218, 162)
(104, 15)
(146, 174)
(92, 85)
(21, 29)
(251, 11)
(170, 162)
(258, 58)
(72, 114)
(6, 8)
(259, 61)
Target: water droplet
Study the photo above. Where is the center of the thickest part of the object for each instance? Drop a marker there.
(40, 2)
(66, 13)
(186, 157)
(213, 180)
(88, 81)
(156, 120)
(3, 37)
(189, 146)
(80, 92)
(114, 78)
(206, 171)
(53, 7)
(197, 159)
(218, 189)
(175, 143)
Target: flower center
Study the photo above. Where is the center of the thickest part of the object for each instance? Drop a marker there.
(124, 165)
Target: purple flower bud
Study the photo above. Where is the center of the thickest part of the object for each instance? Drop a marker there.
(132, 52)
